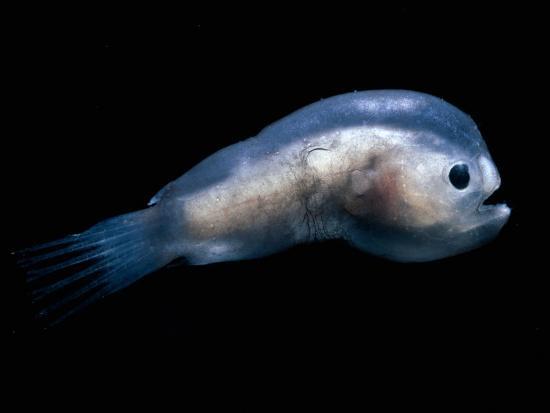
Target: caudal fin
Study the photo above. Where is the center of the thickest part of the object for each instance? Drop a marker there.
(68, 274)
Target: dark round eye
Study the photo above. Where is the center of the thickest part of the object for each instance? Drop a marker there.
(459, 176)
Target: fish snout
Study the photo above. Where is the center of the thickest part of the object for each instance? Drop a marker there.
(490, 183)
(489, 175)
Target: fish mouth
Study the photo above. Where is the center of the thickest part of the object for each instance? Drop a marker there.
(494, 210)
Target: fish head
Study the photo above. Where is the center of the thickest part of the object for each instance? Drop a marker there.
(423, 197)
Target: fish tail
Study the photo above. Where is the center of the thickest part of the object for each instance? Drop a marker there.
(66, 275)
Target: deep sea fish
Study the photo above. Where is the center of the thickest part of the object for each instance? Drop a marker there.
(398, 174)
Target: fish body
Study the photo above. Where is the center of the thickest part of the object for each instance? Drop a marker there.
(398, 174)
(369, 167)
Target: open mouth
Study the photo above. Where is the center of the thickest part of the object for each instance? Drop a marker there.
(494, 202)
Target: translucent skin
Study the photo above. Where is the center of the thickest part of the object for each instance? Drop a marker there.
(370, 167)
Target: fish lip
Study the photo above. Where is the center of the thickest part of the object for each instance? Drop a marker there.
(502, 208)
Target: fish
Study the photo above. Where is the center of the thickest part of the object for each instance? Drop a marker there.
(398, 174)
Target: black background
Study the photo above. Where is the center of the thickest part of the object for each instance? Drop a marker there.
(109, 109)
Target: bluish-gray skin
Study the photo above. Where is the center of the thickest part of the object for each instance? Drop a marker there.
(369, 167)
(373, 168)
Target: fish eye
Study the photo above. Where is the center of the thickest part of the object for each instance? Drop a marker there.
(459, 176)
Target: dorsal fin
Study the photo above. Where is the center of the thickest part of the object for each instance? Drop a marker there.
(158, 196)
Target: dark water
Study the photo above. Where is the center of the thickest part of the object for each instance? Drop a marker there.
(104, 117)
